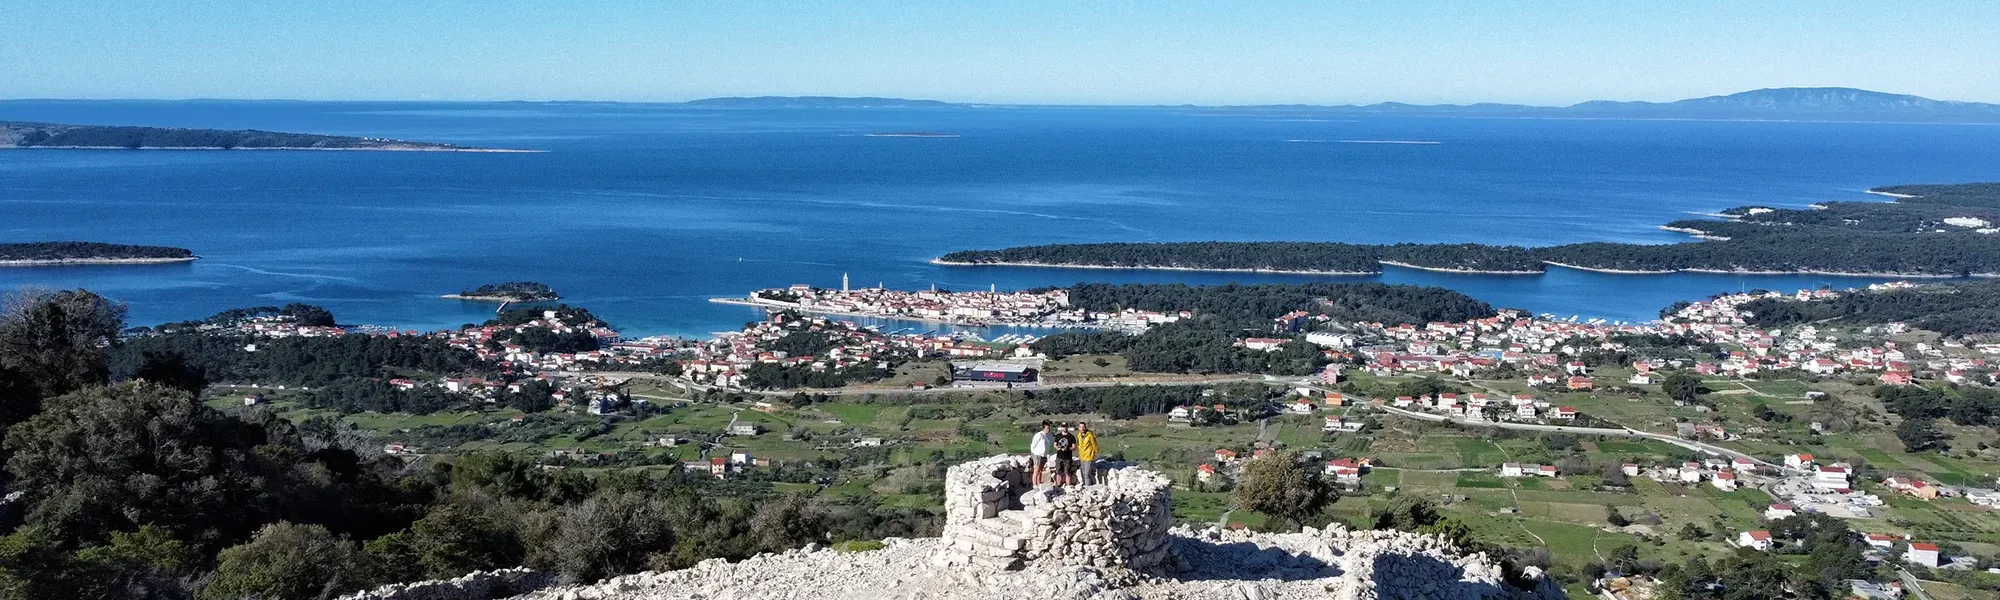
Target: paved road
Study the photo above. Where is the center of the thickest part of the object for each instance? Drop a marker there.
(1626, 432)
(684, 384)
(1910, 581)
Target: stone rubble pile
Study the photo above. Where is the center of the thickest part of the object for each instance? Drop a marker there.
(994, 517)
(1005, 541)
(1319, 564)
(472, 586)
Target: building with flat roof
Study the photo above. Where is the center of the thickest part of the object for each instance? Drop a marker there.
(993, 373)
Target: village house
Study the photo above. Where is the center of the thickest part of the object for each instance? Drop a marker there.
(1564, 413)
(1725, 480)
(1347, 471)
(1180, 414)
(1913, 487)
(1883, 541)
(1779, 511)
(1830, 478)
(1798, 461)
(1225, 456)
(746, 429)
(1204, 473)
(1758, 540)
(1921, 553)
(1580, 384)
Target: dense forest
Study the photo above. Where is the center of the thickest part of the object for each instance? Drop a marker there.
(297, 312)
(307, 361)
(1255, 305)
(1910, 236)
(39, 251)
(1225, 314)
(1955, 309)
(52, 135)
(515, 291)
(136, 489)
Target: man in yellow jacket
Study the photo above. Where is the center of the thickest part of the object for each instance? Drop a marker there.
(1086, 454)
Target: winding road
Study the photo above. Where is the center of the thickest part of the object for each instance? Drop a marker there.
(1628, 432)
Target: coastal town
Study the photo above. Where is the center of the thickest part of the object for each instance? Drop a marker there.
(1522, 370)
(1043, 309)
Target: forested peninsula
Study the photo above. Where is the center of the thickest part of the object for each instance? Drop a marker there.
(33, 254)
(512, 291)
(1928, 231)
(14, 134)
(1958, 309)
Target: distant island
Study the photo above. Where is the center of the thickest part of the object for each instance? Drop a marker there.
(512, 291)
(14, 134)
(36, 254)
(1829, 103)
(1928, 231)
(818, 102)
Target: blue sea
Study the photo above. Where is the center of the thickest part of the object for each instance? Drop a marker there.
(643, 212)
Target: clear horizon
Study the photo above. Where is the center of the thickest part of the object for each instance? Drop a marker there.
(1437, 52)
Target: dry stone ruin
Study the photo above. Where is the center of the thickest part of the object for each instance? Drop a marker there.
(1004, 540)
(995, 517)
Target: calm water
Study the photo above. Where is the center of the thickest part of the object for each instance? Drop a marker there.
(642, 212)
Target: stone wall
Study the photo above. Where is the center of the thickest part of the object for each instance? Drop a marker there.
(993, 516)
(480, 585)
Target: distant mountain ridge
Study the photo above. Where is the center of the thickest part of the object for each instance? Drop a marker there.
(818, 102)
(1768, 103)
(1819, 99)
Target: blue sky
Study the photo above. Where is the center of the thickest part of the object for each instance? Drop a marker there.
(1025, 51)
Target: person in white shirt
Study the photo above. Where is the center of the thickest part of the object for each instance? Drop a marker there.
(1038, 454)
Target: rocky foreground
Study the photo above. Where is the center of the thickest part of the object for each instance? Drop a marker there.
(1333, 563)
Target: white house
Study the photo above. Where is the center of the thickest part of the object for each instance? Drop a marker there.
(1690, 472)
(1883, 541)
(1830, 478)
(1179, 413)
(1630, 469)
(1743, 465)
(1725, 480)
(1565, 413)
(1302, 407)
(1344, 470)
(1798, 461)
(1779, 511)
(1339, 424)
(745, 429)
(1510, 470)
(1922, 553)
(1759, 540)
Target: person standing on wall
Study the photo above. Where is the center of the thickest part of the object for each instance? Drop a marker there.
(1065, 456)
(1086, 453)
(1038, 454)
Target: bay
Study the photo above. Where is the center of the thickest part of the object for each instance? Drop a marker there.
(642, 212)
